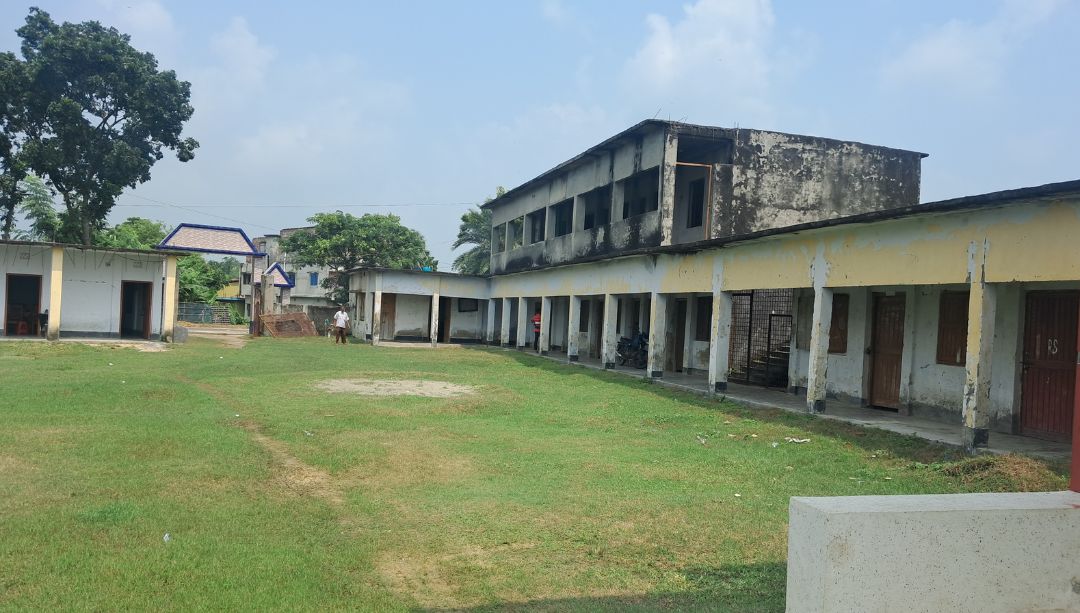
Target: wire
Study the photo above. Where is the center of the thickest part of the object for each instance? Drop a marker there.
(308, 206)
(184, 208)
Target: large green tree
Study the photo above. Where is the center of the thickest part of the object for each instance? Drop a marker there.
(99, 114)
(38, 208)
(475, 230)
(342, 241)
(14, 90)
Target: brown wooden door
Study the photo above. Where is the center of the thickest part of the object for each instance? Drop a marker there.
(1048, 376)
(886, 350)
(386, 315)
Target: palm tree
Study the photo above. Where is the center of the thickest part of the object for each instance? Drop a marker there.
(475, 229)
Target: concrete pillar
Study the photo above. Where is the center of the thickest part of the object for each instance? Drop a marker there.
(545, 325)
(596, 316)
(56, 286)
(609, 339)
(642, 315)
(523, 327)
(793, 360)
(657, 335)
(573, 322)
(667, 187)
(689, 330)
(489, 325)
(982, 311)
(720, 342)
(376, 318)
(819, 350)
(434, 329)
(504, 331)
(170, 298)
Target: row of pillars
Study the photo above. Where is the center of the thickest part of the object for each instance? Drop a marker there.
(976, 399)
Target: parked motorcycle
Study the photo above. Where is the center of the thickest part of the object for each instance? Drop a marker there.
(633, 352)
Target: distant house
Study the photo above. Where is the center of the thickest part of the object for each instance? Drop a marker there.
(55, 290)
(303, 291)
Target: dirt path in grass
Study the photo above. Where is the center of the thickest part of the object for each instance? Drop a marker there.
(288, 470)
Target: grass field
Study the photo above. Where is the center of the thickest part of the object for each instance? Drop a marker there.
(547, 488)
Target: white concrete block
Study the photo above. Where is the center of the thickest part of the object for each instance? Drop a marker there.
(960, 552)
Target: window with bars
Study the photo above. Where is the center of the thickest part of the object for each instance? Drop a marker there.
(838, 326)
(952, 328)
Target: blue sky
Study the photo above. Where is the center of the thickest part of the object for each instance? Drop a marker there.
(305, 107)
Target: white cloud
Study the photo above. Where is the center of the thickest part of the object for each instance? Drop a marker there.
(965, 57)
(717, 55)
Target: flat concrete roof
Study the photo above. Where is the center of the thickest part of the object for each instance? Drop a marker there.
(93, 247)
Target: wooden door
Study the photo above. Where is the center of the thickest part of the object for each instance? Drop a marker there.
(386, 315)
(1048, 379)
(886, 350)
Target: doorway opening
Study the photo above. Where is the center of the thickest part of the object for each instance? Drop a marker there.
(1048, 378)
(22, 305)
(443, 333)
(135, 299)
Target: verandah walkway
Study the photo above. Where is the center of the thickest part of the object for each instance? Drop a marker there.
(753, 396)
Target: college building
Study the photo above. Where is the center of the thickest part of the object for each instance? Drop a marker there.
(786, 261)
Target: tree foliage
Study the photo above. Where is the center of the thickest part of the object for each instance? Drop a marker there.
(342, 241)
(133, 233)
(13, 127)
(475, 230)
(92, 115)
(38, 207)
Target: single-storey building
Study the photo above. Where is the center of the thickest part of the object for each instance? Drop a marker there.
(55, 290)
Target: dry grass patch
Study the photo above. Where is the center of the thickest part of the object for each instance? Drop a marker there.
(1005, 473)
(293, 473)
(394, 387)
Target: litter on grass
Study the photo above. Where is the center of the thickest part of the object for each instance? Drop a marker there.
(792, 439)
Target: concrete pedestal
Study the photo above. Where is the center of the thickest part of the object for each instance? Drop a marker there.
(960, 552)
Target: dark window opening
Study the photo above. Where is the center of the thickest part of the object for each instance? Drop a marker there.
(952, 328)
(838, 325)
(583, 318)
(705, 150)
(641, 193)
(468, 305)
(245, 278)
(498, 238)
(618, 315)
(696, 209)
(703, 319)
(562, 215)
(597, 207)
(516, 231)
(536, 221)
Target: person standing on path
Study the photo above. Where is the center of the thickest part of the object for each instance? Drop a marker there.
(536, 329)
(341, 321)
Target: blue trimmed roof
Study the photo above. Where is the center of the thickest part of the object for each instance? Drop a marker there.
(201, 238)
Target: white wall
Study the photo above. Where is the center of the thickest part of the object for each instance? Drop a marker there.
(412, 315)
(468, 325)
(92, 284)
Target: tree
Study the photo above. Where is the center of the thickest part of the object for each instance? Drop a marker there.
(13, 126)
(342, 241)
(475, 229)
(133, 233)
(199, 280)
(99, 116)
(229, 267)
(38, 207)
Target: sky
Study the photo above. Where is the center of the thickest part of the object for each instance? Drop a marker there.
(421, 109)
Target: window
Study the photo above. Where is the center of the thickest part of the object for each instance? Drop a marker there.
(952, 329)
(292, 277)
(535, 222)
(696, 201)
(361, 302)
(246, 278)
(498, 238)
(597, 208)
(468, 305)
(516, 231)
(583, 317)
(641, 193)
(839, 324)
(703, 318)
(562, 217)
(313, 279)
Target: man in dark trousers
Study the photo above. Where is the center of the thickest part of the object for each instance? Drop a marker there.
(341, 322)
(536, 329)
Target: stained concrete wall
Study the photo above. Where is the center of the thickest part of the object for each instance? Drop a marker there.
(467, 326)
(960, 552)
(412, 316)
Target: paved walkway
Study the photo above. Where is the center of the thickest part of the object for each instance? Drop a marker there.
(754, 396)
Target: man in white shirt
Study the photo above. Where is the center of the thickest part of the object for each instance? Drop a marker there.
(341, 322)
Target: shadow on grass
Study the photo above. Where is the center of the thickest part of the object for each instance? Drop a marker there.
(871, 439)
(746, 587)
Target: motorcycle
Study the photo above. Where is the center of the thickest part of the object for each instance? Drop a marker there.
(633, 351)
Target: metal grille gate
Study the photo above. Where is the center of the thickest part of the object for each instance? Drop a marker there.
(760, 337)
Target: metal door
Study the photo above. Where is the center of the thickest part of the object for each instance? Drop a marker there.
(886, 350)
(1048, 377)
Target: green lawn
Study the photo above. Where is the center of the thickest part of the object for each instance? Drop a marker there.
(549, 488)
